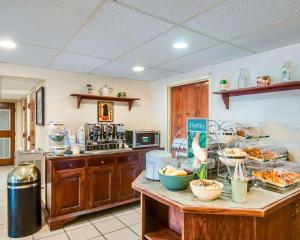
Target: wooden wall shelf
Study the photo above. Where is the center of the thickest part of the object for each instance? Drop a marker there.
(256, 90)
(80, 97)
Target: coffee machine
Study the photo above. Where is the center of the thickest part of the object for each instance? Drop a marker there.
(56, 133)
(100, 136)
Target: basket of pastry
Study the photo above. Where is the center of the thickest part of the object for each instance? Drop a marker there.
(264, 151)
(279, 177)
(230, 156)
(255, 153)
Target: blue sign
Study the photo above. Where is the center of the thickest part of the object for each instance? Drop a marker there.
(197, 124)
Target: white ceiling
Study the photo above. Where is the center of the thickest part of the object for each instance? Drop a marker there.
(107, 37)
(15, 88)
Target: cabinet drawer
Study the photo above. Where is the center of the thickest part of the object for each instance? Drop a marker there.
(134, 157)
(69, 164)
(101, 161)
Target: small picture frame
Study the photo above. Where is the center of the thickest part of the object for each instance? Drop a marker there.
(105, 111)
(40, 105)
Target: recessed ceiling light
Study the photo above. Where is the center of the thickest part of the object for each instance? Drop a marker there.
(7, 44)
(180, 45)
(138, 69)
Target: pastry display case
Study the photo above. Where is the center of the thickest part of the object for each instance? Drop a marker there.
(283, 176)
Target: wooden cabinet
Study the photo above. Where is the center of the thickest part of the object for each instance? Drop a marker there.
(81, 185)
(101, 181)
(69, 194)
(297, 220)
(127, 172)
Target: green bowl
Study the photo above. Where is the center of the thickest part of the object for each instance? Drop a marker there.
(57, 138)
(176, 183)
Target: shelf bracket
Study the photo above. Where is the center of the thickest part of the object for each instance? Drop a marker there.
(130, 103)
(225, 98)
(78, 101)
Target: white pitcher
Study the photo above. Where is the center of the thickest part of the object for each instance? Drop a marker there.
(106, 90)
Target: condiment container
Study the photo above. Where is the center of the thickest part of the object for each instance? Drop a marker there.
(263, 81)
(76, 149)
(223, 85)
(239, 190)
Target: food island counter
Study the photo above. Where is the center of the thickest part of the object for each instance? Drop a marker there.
(180, 215)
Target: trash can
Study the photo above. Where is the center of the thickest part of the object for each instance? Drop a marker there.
(24, 200)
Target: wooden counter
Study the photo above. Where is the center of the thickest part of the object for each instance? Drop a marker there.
(86, 183)
(180, 215)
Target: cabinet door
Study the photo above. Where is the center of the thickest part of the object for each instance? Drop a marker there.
(69, 194)
(101, 186)
(143, 161)
(127, 172)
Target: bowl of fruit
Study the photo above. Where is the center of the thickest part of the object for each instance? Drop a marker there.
(175, 179)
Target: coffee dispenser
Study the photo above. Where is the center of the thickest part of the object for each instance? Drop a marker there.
(104, 136)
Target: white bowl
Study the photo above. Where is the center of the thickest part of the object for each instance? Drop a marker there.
(206, 193)
(59, 150)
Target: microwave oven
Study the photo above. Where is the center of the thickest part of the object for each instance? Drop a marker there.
(142, 138)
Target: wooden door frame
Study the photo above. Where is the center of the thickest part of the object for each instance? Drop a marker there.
(13, 128)
(206, 78)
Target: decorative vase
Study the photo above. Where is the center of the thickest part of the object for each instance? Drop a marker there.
(286, 72)
(244, 78)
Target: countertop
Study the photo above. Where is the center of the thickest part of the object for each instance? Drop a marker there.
(99, 152)
(259, 203)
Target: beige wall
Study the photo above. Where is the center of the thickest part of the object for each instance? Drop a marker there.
(278, 112)
(61, 107)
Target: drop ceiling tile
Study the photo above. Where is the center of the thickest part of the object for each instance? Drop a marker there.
(279, 35)
(115, 69)
(218, 54)
(152, 74)
(173, 10)
(48, 23)
(236, 17)
(28, 55)
(160, 49)
(76, 62)
(114, 30)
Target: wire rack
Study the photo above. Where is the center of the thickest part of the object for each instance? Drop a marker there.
(219, 137)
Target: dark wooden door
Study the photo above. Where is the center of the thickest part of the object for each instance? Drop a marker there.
(69, 194)
(7, 133)
(24, 123)
(188, 101)
(101, 186)
(32, 106)
(127, 172)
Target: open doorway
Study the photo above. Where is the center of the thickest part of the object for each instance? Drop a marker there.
(14, 112)
(190, 100)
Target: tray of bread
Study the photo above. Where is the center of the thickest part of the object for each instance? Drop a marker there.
(230, 156)
(279, 177)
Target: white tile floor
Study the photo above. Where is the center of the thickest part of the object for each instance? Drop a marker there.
(121, 223)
